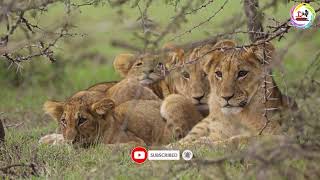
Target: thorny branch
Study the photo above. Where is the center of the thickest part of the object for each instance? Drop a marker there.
(144, 18)
(266, 90)
(43, 50)
(38, 41)
(254, 23)
(9, 170)
(237, 23)
(254, 19)
(280, 31)
(199, 8)
(201, 23)
(180, 17)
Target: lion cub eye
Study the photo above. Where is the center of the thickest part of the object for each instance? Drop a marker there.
(139, 64)
(218, 74)
(242, 74)
(185, 75)
(81, 120)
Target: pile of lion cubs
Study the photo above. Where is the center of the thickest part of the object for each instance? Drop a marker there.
(224, 95)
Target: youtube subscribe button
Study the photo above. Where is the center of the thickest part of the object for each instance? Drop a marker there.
(163, 155)
(140, 154)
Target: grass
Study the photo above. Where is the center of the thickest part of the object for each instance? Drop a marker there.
(41, 80)
(97, 162)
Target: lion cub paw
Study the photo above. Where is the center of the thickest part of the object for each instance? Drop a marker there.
(54, 139)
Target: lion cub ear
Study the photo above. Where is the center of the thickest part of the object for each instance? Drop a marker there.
(217, 50)
(103, 106)
(175, 55)
(225, 44)
(54, 109)
(169, 46)
(264, 52)
(123, 63)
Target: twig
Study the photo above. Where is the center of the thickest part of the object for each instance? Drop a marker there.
(13, 125)
(199, 8)
(174, 23)
(254, 19)
(122, 44)
(30, 165)
(201, 23)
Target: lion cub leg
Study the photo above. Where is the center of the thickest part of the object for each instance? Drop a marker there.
(54, 139)
(127, 137)
(180, 114)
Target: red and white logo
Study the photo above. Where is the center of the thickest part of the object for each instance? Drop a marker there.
(139, 155)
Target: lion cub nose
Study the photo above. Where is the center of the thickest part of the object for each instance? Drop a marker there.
(227, 98)
(198, 98)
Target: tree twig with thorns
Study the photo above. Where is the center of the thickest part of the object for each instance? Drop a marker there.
(201, 23)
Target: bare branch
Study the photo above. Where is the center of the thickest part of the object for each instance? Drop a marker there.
(254, 19)
(201, 23)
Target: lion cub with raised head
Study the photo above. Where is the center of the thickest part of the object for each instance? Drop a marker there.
(150, 70)
(147, 70)
(237, 94)
(129, 88)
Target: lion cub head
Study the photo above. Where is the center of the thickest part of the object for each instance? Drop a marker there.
(82, 116)
(236, 74)
(146, 68)
(190, 78)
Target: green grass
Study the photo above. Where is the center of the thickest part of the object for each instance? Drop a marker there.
(96, 162)
(41, 80)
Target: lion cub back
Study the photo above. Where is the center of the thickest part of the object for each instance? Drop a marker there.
(142, 118)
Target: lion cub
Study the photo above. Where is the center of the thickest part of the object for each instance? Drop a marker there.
(89, 117)
(151, 71)
(146, 69)
(144, 73)
(243, 101)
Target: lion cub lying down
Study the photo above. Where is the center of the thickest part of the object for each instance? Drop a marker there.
(243, 102)
(150, 70)
(88, 117)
